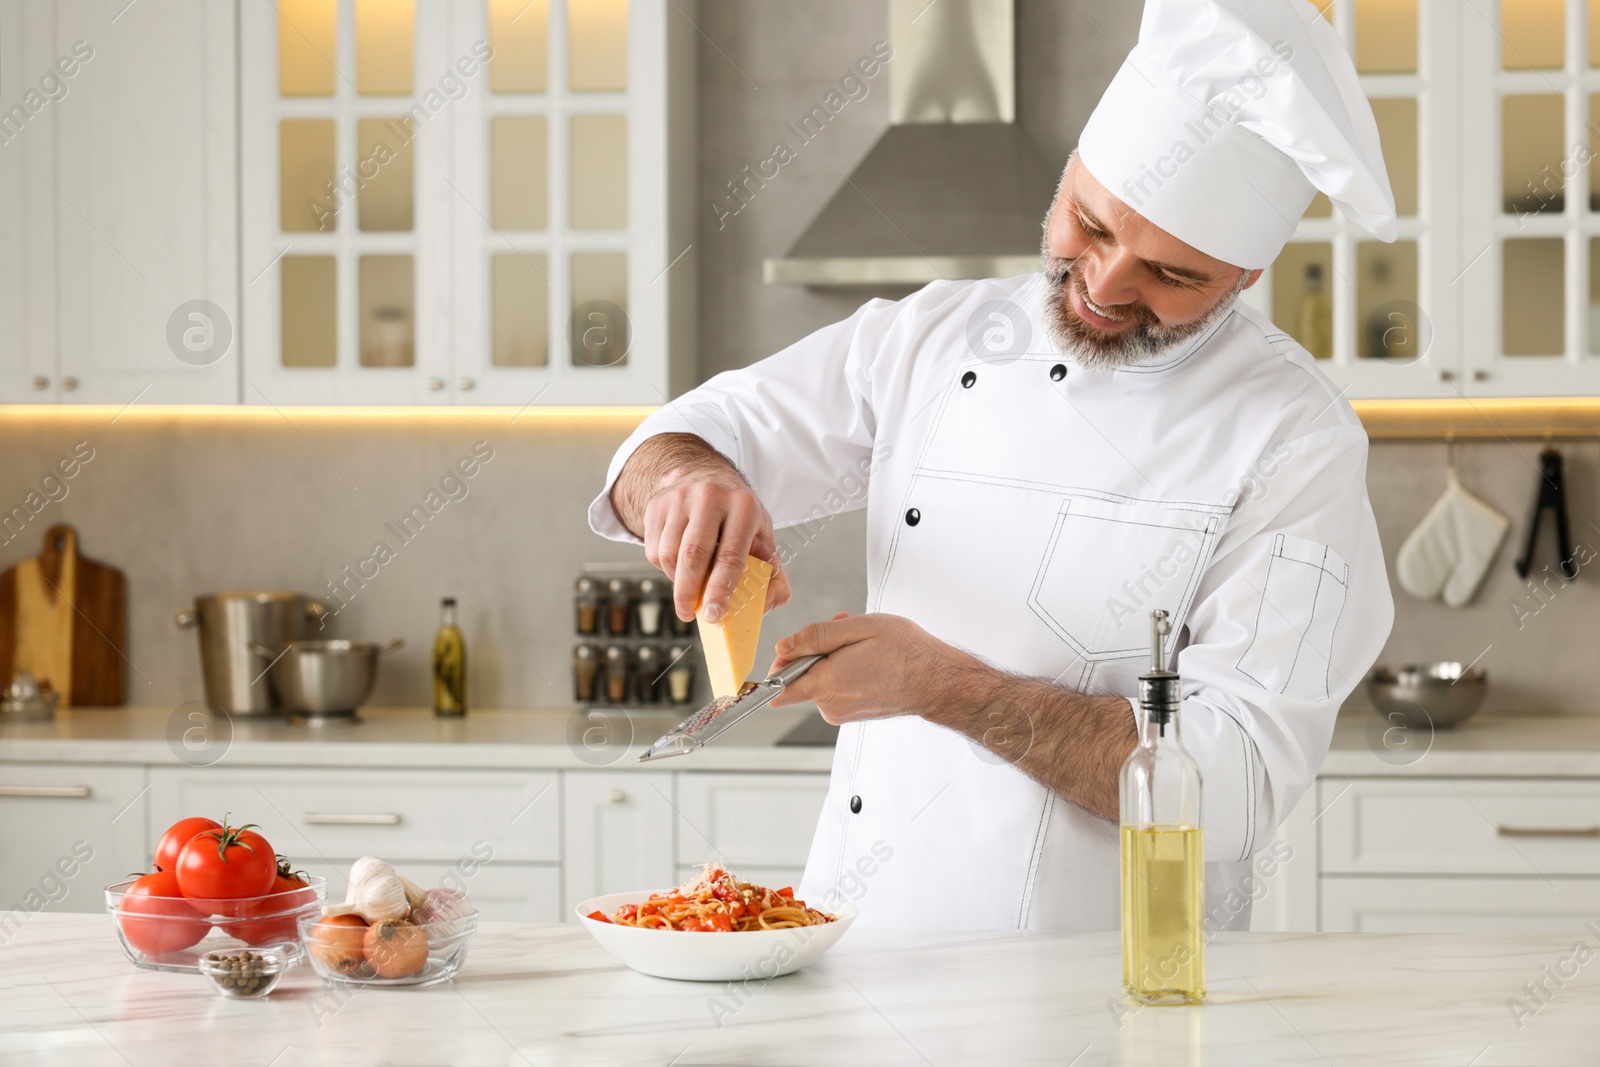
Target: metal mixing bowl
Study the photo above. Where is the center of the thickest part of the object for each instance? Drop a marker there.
(1440, 695)
(325, 678)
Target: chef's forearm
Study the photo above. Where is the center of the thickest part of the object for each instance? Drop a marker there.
(1070, 742)
(660, 461)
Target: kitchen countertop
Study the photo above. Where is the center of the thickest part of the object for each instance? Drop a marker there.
(1506, 745)
(493, 738)
(531, 994)
(1510, 745)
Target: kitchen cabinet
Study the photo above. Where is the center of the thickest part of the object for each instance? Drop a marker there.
(472, 203)
(1512, 855)
(505, 816)
(1459, 905)
(759, 824)
(502, 892)
(619, 832)
(27, 246)
(142, 194)
(70, 830)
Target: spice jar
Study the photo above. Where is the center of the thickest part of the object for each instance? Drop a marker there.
(586, 673)
(648, 661)
(586, 600)
(679, 627)
(651, 606)
(619, 605)
(617, 674)
(680, 676)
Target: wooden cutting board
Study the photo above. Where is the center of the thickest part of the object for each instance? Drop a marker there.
(63, 618)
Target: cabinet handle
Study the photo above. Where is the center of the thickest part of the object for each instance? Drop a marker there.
(318, 818)
(69, 383)
(44, 791)
(40, 382)
(1549, 831)
(1447, 376)
(1480, 375)
(465, 384)
(618, 797)
(435, 384)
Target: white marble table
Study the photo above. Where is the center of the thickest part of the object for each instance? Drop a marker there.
(548, 994)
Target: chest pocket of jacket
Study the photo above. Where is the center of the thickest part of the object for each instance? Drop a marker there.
(1109, 564)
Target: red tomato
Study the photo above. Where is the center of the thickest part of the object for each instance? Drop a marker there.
(718, 921)
(599, 916)
(226, 864)
(176, 837)
(154, 917)
(290, 893)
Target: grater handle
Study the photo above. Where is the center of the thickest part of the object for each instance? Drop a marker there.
(792, 672)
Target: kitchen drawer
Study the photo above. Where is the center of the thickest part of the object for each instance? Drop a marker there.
(502, 892)
(1459, 905)
(67, 830)
(1517, 827)
(749, 820)
(397, 815)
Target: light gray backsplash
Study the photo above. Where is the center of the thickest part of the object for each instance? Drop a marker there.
(189, 507)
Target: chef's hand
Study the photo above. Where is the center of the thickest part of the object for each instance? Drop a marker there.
(878, 666)
(699, 524)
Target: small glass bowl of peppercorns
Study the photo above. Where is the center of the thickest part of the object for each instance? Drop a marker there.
(247, 973)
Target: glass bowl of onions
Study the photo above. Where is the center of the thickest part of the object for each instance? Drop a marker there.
(347, 950)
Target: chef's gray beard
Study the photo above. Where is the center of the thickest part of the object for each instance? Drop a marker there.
(1097, 350)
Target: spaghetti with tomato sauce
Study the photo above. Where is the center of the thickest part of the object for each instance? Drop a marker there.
(716, 901)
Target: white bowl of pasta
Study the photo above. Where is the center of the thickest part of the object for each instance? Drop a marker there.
(683, 938)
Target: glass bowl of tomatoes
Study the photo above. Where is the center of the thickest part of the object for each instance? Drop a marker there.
(347, 950)
(163, 930)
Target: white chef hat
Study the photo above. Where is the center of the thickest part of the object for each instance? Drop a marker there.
(1226, 119)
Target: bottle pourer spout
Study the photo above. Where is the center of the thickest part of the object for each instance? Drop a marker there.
(1160, 627)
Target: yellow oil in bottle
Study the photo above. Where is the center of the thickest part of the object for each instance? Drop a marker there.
(449, 665)
(1163, 936)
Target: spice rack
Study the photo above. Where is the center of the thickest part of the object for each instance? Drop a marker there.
(632, 650)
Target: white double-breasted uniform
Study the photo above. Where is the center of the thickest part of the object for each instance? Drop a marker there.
(1032, 512)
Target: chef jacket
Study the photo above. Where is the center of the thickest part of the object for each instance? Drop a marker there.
(1033, 511)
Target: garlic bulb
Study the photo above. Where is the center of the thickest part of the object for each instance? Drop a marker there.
(442, 912)
(376, 892)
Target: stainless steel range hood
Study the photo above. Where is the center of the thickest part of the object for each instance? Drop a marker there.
(954, 188)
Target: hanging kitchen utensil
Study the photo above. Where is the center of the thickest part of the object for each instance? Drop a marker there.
(711, 721)
(1450, 551)
(63, 619)
(1552, 497)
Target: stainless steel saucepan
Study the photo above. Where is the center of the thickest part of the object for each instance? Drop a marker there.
(229, 624)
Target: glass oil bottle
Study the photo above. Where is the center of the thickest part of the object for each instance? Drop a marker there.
(449, 664)
(1163, 867)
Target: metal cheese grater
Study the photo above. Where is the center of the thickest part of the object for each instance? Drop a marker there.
(711, 721)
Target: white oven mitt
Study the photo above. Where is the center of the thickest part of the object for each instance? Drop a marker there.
(1450, 550)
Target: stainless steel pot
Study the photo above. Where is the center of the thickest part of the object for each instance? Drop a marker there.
(325, 680)
(229, 623)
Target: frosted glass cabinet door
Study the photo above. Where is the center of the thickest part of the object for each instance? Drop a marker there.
(145, 205)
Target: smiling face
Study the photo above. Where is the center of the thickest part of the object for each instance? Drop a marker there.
(1118, 288)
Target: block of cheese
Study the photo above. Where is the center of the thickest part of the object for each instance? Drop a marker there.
(730, 645)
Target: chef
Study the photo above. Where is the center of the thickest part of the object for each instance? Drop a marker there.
(1046, 459)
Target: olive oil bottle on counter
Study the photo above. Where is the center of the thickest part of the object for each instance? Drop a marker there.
(449, 664)
(1163, 866)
